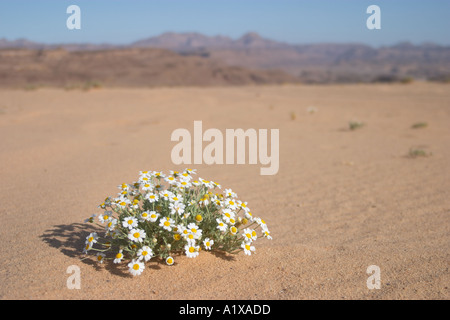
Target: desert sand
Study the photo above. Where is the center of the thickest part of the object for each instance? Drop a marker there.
(342, 200)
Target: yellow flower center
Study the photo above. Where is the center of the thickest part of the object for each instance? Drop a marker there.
(194, 230)
(130, 222)
(136, 235)
(254, 233)
(144, 253)
(169, 260)
(106, 217)
(191, 249)
(136, 266)
(99, 258)
(233, 230)
(123, 203)
(167, 223)
(208, 244)
(247, 247)
(248, 235)
(199, 218)
(176, 237)
(119, 256)
(191, 236)
(91, 239)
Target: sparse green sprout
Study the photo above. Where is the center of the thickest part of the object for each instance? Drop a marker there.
(311, 109)
(91, 85)
(31, 87)
(353, 125)
(407, 80)
(416, 152)
(419, 125)
(293, 116)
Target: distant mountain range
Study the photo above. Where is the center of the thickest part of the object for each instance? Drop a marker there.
(310, 63)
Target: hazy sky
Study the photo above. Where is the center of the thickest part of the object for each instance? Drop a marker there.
(293, 21)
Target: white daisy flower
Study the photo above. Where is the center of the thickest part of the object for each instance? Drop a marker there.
(167, 223)
(204, 200)
(87, 247)
(176, 198)
(243, 205)
(166, 195)
(153, 216)
(136, 267)
(177, 207)
(169, 260)
(249, 235)
(233, 230)
(194, 230)
(248, 248)
(171, 180)
(145, 215)
(232, 204)
(111, 225)
(90, 219)
(130, 223)
(152, 197)
(183, 184)
(267, 234)
(230, 194)
(191, 171)
(145, 253)
(92, 238)
(207, 243)
(227, 215)
(191, 250)
(221, 225)
(206, 183)
(100, 257)
(105, 216)
(216, 185)
(262, 223)
(147, 186)
(118, 257)
(122, 202)
(196, 183)
(136, 235)
(158, 174)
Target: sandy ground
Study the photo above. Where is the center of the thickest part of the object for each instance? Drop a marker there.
(342, 200)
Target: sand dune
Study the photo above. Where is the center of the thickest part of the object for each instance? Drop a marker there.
(342, 200)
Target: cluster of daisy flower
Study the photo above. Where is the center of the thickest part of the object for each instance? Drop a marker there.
(147, 219)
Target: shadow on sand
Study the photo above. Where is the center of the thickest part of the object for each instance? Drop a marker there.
(70, 240)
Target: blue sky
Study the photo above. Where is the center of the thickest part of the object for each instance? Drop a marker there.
(293, 21)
